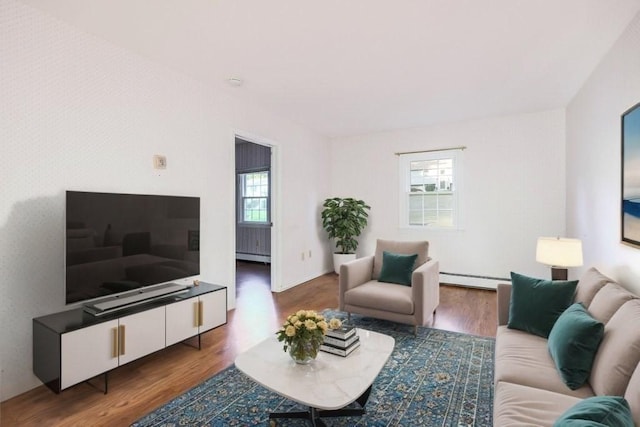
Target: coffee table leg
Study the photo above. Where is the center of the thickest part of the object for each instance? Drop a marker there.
(314, 414)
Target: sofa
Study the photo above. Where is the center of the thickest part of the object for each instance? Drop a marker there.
(531, 389)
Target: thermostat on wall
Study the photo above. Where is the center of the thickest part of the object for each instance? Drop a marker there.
(159, 162)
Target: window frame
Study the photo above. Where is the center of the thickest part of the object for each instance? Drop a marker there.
(404, 167)
(241, 178)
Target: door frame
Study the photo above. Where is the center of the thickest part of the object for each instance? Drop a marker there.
(274, 202)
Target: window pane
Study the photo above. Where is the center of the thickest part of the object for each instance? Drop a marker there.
(429, 188)
(255, 193)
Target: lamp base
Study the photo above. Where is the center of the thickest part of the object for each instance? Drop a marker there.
(559, 273)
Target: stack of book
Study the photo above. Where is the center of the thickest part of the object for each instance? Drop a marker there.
(341, 341)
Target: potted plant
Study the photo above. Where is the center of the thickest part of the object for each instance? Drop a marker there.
(344, 219)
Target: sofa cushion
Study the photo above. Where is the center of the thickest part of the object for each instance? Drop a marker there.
(523, 358)
(573, 342)
(633, 395)
(516, 405)
(608, 300)
(589, 284)
(536, 304)
(606, 411)
(397, 268)
(400, 247)
(381, 296)
(619, 352)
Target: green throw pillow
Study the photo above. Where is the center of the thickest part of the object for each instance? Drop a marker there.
(606, 411)
(573, 342)
(397, 268)
(536, 304)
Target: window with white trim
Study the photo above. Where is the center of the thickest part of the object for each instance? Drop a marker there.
(254, 197)
(431, 189)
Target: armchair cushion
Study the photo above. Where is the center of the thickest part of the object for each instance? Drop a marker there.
(381, 296)
(399, 247)
(397, 268)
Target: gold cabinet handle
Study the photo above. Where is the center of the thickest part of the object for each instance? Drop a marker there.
(196, 314)
(114, 343)
(121, 339)
(200, 313)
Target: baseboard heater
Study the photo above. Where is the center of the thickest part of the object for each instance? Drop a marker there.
(253, 257)
(472, 280)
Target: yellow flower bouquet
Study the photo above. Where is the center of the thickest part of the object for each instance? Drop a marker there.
(303, 334)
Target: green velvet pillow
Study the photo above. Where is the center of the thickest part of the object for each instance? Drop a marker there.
(397, 268)
(573, 342)
(536, 304)
(606, 411)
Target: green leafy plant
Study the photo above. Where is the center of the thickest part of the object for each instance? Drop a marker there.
(344, 220)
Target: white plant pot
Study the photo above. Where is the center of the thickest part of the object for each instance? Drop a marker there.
(339, 259)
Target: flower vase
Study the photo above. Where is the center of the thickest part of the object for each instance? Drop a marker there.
(303, 351)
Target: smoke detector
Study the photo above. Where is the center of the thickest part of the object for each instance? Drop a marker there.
(235, 81)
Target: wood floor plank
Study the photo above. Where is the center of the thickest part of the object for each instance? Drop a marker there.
(145, 384)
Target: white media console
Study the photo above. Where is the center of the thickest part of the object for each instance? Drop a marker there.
(74, 346)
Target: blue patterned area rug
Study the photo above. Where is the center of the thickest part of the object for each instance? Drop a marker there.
(437, 378)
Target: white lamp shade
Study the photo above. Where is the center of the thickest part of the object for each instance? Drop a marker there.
(559, 252)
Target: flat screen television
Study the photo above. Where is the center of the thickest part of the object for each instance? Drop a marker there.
(118, 244)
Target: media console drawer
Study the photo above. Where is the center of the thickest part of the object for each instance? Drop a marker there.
(73, 346)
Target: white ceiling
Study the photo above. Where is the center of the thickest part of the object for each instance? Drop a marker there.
(344, 67)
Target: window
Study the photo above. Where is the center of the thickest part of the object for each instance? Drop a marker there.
(430, 189)
(254, 202)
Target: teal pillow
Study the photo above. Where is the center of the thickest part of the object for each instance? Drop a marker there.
(596, 411)
(573, 342)
(536, 304)
(397, 268)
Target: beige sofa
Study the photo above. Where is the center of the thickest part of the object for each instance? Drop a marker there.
(528, 389)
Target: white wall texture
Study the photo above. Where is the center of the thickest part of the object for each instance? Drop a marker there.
(514, 190)
(594, 159)
(80, 113)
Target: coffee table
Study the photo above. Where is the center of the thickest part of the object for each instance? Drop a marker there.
(326, 385)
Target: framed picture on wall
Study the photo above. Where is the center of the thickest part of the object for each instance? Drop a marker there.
(630, 206)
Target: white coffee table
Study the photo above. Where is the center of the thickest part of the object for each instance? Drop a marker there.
(327, 384)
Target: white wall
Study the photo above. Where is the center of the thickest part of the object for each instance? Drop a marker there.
(514, 190)
(80, 113)
(594, 159)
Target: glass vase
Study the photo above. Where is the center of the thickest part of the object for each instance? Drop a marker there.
(304, 351)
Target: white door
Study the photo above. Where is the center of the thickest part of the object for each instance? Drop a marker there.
(214, 310)
(142, 334)
(88, 352)
(182, 320)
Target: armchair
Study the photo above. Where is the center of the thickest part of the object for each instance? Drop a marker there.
(360, 291)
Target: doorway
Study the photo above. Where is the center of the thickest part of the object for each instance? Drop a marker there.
(254, 182)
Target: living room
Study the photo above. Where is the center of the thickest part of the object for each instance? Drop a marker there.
(85, 113)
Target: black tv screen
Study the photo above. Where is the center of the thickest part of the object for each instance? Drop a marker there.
(116, 243)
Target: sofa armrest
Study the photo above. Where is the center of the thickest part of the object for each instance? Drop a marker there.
(352, 274)
(425, 287)
(504, 299)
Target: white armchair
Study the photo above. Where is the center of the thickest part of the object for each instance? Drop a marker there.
(360, 291)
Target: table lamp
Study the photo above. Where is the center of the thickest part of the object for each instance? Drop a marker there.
(559, 253)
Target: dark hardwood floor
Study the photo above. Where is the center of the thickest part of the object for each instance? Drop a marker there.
(143, 385)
